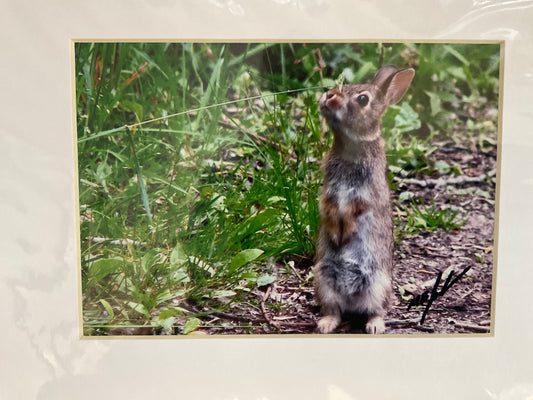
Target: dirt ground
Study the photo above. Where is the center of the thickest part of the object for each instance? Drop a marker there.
(288, 306)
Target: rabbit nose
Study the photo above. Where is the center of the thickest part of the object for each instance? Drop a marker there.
(332, 94)
(331, 99)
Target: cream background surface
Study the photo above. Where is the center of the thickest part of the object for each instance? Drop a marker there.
(41, 354)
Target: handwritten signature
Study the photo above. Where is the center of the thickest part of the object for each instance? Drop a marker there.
(429, 296)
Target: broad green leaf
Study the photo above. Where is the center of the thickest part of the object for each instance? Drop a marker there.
(249, 276)
(167, 324)
(173, 312)
(328, 83)
(180, 276)
(406, 196)
(139, 308)
(178, 256)
(401, 118)
(389, 119)
(99, 269)
(191, 325)
(244, 257)
(443, 167)
(265, 280)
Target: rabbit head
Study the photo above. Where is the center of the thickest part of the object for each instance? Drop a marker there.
(354, 113)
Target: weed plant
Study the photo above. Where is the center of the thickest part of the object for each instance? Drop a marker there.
(199, 163)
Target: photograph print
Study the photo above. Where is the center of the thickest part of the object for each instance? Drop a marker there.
(283, 188)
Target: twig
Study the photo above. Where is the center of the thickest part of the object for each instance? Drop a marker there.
(227, 316)
(118, 242)
(263, 309)
(309, 324)
(471, 327)
(442, 182)
(398, 323)
(411, 323)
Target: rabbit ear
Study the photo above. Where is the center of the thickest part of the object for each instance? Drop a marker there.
(384, 75)
(393, 83)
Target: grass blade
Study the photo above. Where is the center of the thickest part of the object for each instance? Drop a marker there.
(142, 187)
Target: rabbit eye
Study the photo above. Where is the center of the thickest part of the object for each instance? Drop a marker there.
(363, 100)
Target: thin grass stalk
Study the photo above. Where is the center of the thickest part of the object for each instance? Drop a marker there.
(142, 187)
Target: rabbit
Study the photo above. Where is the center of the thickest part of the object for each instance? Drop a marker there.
(353, 269)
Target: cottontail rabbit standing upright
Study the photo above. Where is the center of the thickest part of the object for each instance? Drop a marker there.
(354, 265)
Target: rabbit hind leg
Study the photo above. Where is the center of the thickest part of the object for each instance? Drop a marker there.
(327, 295)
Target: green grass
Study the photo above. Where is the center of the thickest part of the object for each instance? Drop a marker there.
(419, 217)
(199, 164)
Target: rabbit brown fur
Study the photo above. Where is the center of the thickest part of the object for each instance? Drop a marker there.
(353, 271)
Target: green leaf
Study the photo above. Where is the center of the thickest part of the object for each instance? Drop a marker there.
(150, 259)
(106, 266)
(165, 295)
(407, 119)
(265, 280)
(443, 167)
(167, 324)
(191, 325)
(109, 309)
(216, 294)
(406, 196)
(207, 96)
(258, 222)
(275, 199)
(389, 119)
(402, 292)
(244, 257)
(456, 54)
(420, 222)
(249, 276)
(434, 102)
(173, 312)
(142, 187)
(139, 308)
(178, 256)
(328, 83)
(133, 107)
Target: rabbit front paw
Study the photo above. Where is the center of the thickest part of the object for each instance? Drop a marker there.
(328, 323)
(375, 325)
(342, 222)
